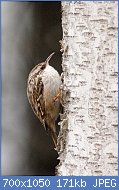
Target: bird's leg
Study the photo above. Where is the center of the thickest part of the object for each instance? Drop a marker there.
(57, 97)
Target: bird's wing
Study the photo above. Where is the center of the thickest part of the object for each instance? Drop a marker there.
(40, 100)
(35, 95)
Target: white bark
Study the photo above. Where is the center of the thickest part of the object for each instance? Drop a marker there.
(88, 140)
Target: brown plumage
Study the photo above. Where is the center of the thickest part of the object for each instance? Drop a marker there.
(42, 88)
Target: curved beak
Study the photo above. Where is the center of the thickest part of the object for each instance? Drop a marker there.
(48, 59)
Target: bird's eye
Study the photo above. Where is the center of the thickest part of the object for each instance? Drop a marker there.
(43, 66)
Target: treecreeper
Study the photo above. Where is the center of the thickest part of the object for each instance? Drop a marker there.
(43, 92)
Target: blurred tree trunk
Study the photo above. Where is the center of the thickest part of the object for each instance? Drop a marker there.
(88, 140)
(29, 34)
(16, 55)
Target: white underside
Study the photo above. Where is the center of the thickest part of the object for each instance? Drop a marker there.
(51, 80)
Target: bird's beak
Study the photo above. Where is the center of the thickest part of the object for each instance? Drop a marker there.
(48, 59)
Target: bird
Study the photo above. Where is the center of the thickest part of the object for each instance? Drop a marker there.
(43, 92)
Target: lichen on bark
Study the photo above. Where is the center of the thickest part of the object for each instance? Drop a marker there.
(88, 139)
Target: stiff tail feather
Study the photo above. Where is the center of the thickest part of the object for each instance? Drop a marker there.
(52, 132)
(54, 137)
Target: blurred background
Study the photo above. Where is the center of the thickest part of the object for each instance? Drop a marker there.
(30, 32)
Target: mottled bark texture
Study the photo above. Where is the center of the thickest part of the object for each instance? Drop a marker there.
(88, 140)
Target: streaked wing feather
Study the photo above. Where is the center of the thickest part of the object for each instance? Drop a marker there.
(40, 100)
(36, 100)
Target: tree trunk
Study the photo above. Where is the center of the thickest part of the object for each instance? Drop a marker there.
(88, 139)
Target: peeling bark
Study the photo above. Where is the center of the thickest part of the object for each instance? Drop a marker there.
(88, 139)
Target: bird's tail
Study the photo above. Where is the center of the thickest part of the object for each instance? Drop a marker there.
(54, 137)
(52, 131)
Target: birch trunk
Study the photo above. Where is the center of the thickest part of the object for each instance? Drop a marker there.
(88, 139)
